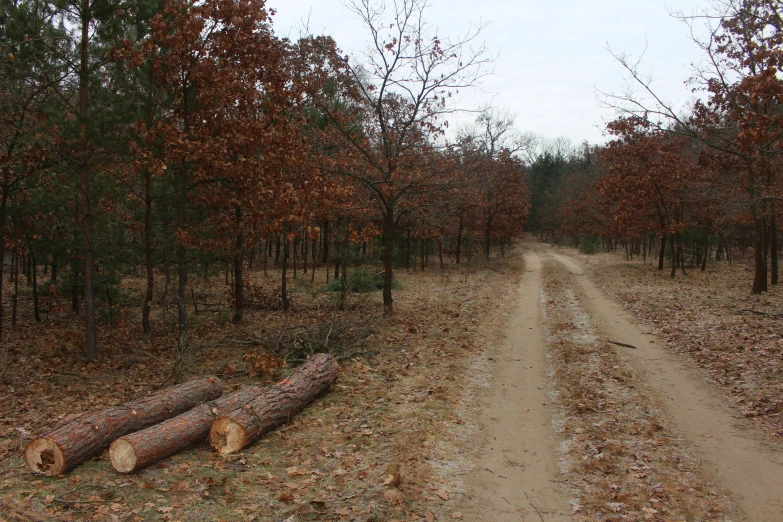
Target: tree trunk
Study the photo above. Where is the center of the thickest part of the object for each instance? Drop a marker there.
(266, 253)
(159, 441)
(304, 254)
(78, 440)
(662, 252)
(760, 272)
(75, 275)
(34, 271)
(325, 248)
(275, 406)
(459, 238)
(388, 271)
(408, 252)
(239, 297)
(182, 275)
(283, 289)
(773, 247)
(293, 248)
(315, 261)
(147, 307)
(339, 255)
(90, 325)
(680, 254)
(3, 211)
(706, 250)
(15, 300)
(488, 238)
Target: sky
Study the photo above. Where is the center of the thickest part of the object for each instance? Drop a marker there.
(552, 56)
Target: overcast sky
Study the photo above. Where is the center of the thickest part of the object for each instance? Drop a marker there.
(552, 54)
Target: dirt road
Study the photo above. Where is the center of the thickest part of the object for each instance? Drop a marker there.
(523, 471)
(516, 476)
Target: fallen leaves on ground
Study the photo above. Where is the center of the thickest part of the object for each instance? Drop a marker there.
(711, 318)
(363, 451)
(619, 454)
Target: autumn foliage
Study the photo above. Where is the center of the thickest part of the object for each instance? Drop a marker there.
(186, 139)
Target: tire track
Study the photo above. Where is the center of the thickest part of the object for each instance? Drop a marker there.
(516, 477)
(730, 449)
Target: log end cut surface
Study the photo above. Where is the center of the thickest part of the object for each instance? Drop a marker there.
(122, 455)
(227, 436)
(43, 456)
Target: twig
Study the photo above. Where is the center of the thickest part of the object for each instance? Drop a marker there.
(253, 342)
(59, 499)
(335, 499)
(282, 335)
(105, 341)
(72, 374)
(150, 384)
(537, 511)
(620, 344)
(85, 501)
(776, 316)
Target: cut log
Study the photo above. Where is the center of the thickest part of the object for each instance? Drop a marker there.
(275, 406)
(144, 447)
(85, 437)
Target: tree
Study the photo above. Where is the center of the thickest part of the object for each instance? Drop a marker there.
(650, 182)
(226, 132)
(28, 70)
(741, 115)
(404, 90)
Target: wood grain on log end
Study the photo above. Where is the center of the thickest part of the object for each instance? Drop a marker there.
(226, 436)
(43, 456)
(86, 436)
(122, 455)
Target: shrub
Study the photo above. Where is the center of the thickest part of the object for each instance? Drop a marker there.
(362, 281)
(590, 245)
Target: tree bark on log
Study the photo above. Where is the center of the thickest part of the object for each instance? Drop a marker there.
(150, 445)
(275, 406)
(85, 437)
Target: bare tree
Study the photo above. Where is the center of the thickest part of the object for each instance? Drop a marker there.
(405, 88)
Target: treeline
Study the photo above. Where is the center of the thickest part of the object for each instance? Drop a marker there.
(689, 187)
(175, 136)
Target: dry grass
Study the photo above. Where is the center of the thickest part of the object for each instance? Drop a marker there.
(365, 451)
(619, 454)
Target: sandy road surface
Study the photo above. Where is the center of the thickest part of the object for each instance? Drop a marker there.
(729, 446)
(516, 476)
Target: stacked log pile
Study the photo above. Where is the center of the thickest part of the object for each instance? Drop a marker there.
(149, 429)
(74, 442)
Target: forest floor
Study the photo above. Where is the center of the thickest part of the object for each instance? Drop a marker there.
(370, 449)
(496, 392)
